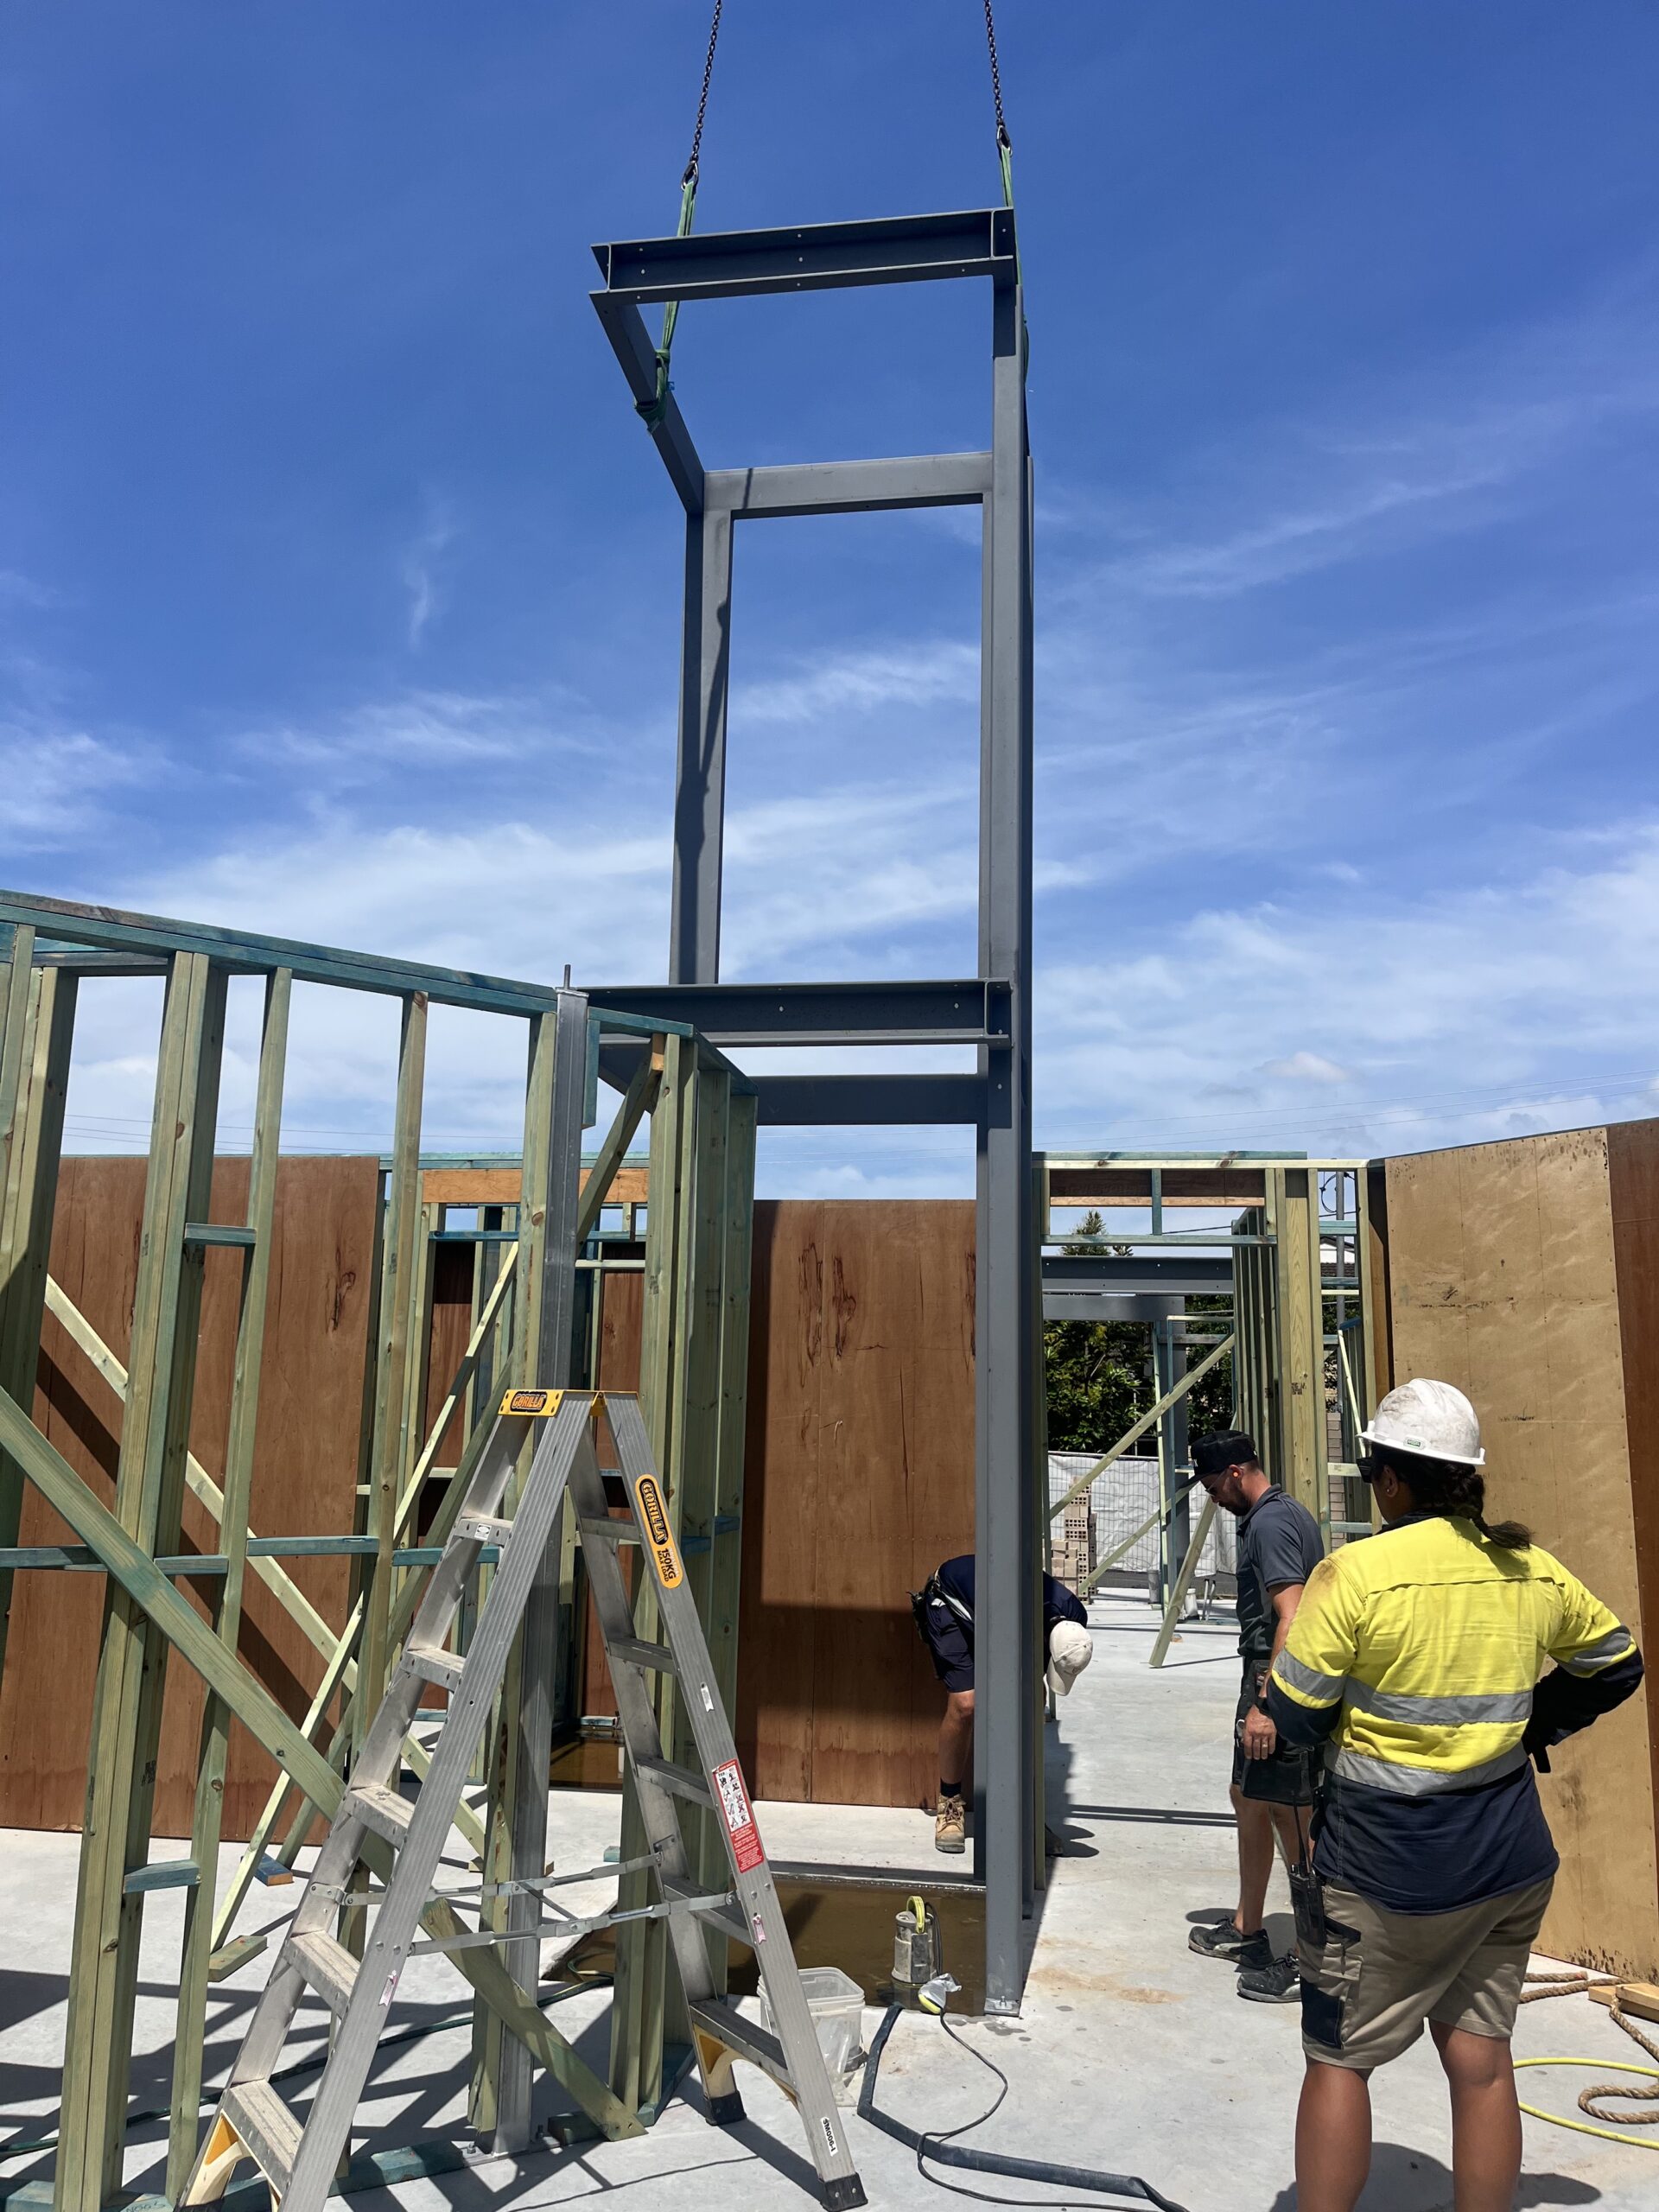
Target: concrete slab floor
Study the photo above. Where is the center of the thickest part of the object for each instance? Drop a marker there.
(1132, 2053)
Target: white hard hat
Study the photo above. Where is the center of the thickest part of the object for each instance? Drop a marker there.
(1070, 1650)
(1432, 1418)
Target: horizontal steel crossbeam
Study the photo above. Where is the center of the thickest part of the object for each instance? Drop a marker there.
(848, 488)
(967, 1011)
(815, 256)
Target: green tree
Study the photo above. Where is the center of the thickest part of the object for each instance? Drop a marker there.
(1099, 1373)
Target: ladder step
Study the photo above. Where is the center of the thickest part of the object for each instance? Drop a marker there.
(656, 1657)
(383, 1810)
(443, 1669)
(330, 1968)
(727, 1917)
(679, 1781)
(267, 2128)
(479, 1529)
(722, 2021)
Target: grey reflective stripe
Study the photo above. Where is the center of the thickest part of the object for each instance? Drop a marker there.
(1323, 1690)
(942, 1597)
(1472, 1711)
(1617, 1643)
(1421, 1781)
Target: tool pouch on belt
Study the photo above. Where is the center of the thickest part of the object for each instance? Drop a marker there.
(919, 1601)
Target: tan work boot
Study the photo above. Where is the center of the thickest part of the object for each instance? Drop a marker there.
(950, 1825)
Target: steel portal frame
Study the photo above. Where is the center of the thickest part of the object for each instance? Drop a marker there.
(992, 1010)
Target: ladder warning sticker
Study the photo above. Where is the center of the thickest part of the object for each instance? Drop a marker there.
(653, 1519)
(747, 1850)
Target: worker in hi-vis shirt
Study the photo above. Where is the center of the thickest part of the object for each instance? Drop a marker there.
(1416, 1657)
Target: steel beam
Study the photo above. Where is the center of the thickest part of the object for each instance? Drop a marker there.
(851, 487)
(962, 1012)
(813, 257)
(869, 1101)
(631, 342)
(700, 784)
(1110, 1274)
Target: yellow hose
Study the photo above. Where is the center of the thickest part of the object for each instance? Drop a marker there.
(1579, 2127)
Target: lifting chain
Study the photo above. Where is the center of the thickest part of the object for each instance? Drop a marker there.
(651, 411)
(1004, 143)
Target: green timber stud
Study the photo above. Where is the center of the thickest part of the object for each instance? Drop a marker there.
(694, 1470)
(225, 1603)
(131, 1670)
(40, 1017)
(638, 1987)
(133, 1569)
(549, 1212)
(484, 2095)
(1299, 1304)
(404, 1257)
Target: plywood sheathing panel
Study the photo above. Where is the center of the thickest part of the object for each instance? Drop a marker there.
(859, 1481)
(1633, 1181)
(1503, 1280)
(304, 1473)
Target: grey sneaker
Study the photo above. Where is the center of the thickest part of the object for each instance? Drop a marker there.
(1220, 1939)
(1277, 1983)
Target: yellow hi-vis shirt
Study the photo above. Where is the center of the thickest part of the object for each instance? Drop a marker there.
(1432, 1641)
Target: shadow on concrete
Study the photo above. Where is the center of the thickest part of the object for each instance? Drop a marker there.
(1411, 2181)
(1171, 1817)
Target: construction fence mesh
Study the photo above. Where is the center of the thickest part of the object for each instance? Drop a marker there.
(1119, 1501)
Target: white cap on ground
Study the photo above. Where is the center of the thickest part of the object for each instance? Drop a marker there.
(1433, 1419)
(1070, 1650)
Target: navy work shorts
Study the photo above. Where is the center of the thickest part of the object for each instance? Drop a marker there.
(949, 1641)
(1284, 1779)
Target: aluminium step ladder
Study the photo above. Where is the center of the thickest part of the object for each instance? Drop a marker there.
(376, 1824)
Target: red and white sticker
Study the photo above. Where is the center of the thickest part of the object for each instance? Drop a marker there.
(747, 1850)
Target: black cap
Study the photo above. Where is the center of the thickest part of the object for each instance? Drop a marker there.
(1229, 1447)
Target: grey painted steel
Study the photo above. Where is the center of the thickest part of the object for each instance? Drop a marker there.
(700, 784)
(1008, 1625)
(360, 1993)
(956, 1011)
(814, 257)
(1115, 1275)
(993, 1012)
(823, 1101)
(850, 488)
(794, 2057)
(1169, 1364)
(531, 1747)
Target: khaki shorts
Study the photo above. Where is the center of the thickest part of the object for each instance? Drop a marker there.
(1378, 1977)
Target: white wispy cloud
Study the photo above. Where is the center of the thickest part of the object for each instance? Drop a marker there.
(934, 672)
(422, 570)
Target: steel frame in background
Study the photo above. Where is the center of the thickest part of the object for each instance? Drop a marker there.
(990, 1011)
(524, 1304)
(1300, 1264)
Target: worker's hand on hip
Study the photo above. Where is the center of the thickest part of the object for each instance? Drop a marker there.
(1261, 1738)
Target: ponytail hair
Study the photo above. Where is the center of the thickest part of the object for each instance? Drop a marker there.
(1456, 1492)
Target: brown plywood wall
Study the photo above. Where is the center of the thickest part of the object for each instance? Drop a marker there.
(304, 1475)
(1527, 1272)
(858, 1480)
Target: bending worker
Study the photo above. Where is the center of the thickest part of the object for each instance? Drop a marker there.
(1279, 1546)
(1415, 1656)
(944, 1614)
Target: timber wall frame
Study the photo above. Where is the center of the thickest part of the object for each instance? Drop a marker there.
(526, 1319)
(990, 1011)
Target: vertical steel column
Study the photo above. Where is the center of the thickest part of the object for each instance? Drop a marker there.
(1007, 1616)
(1168, 1365)
(549, 1325)
(700, 786)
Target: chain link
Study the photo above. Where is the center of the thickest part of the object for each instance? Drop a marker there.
(690, 176)
(1002, 137)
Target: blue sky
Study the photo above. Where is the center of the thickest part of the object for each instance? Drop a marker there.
(338, 587)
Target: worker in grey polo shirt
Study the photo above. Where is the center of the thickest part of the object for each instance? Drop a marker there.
(1279, 1546)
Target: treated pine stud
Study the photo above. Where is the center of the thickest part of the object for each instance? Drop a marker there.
(97, 2046)
(207, 1825)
